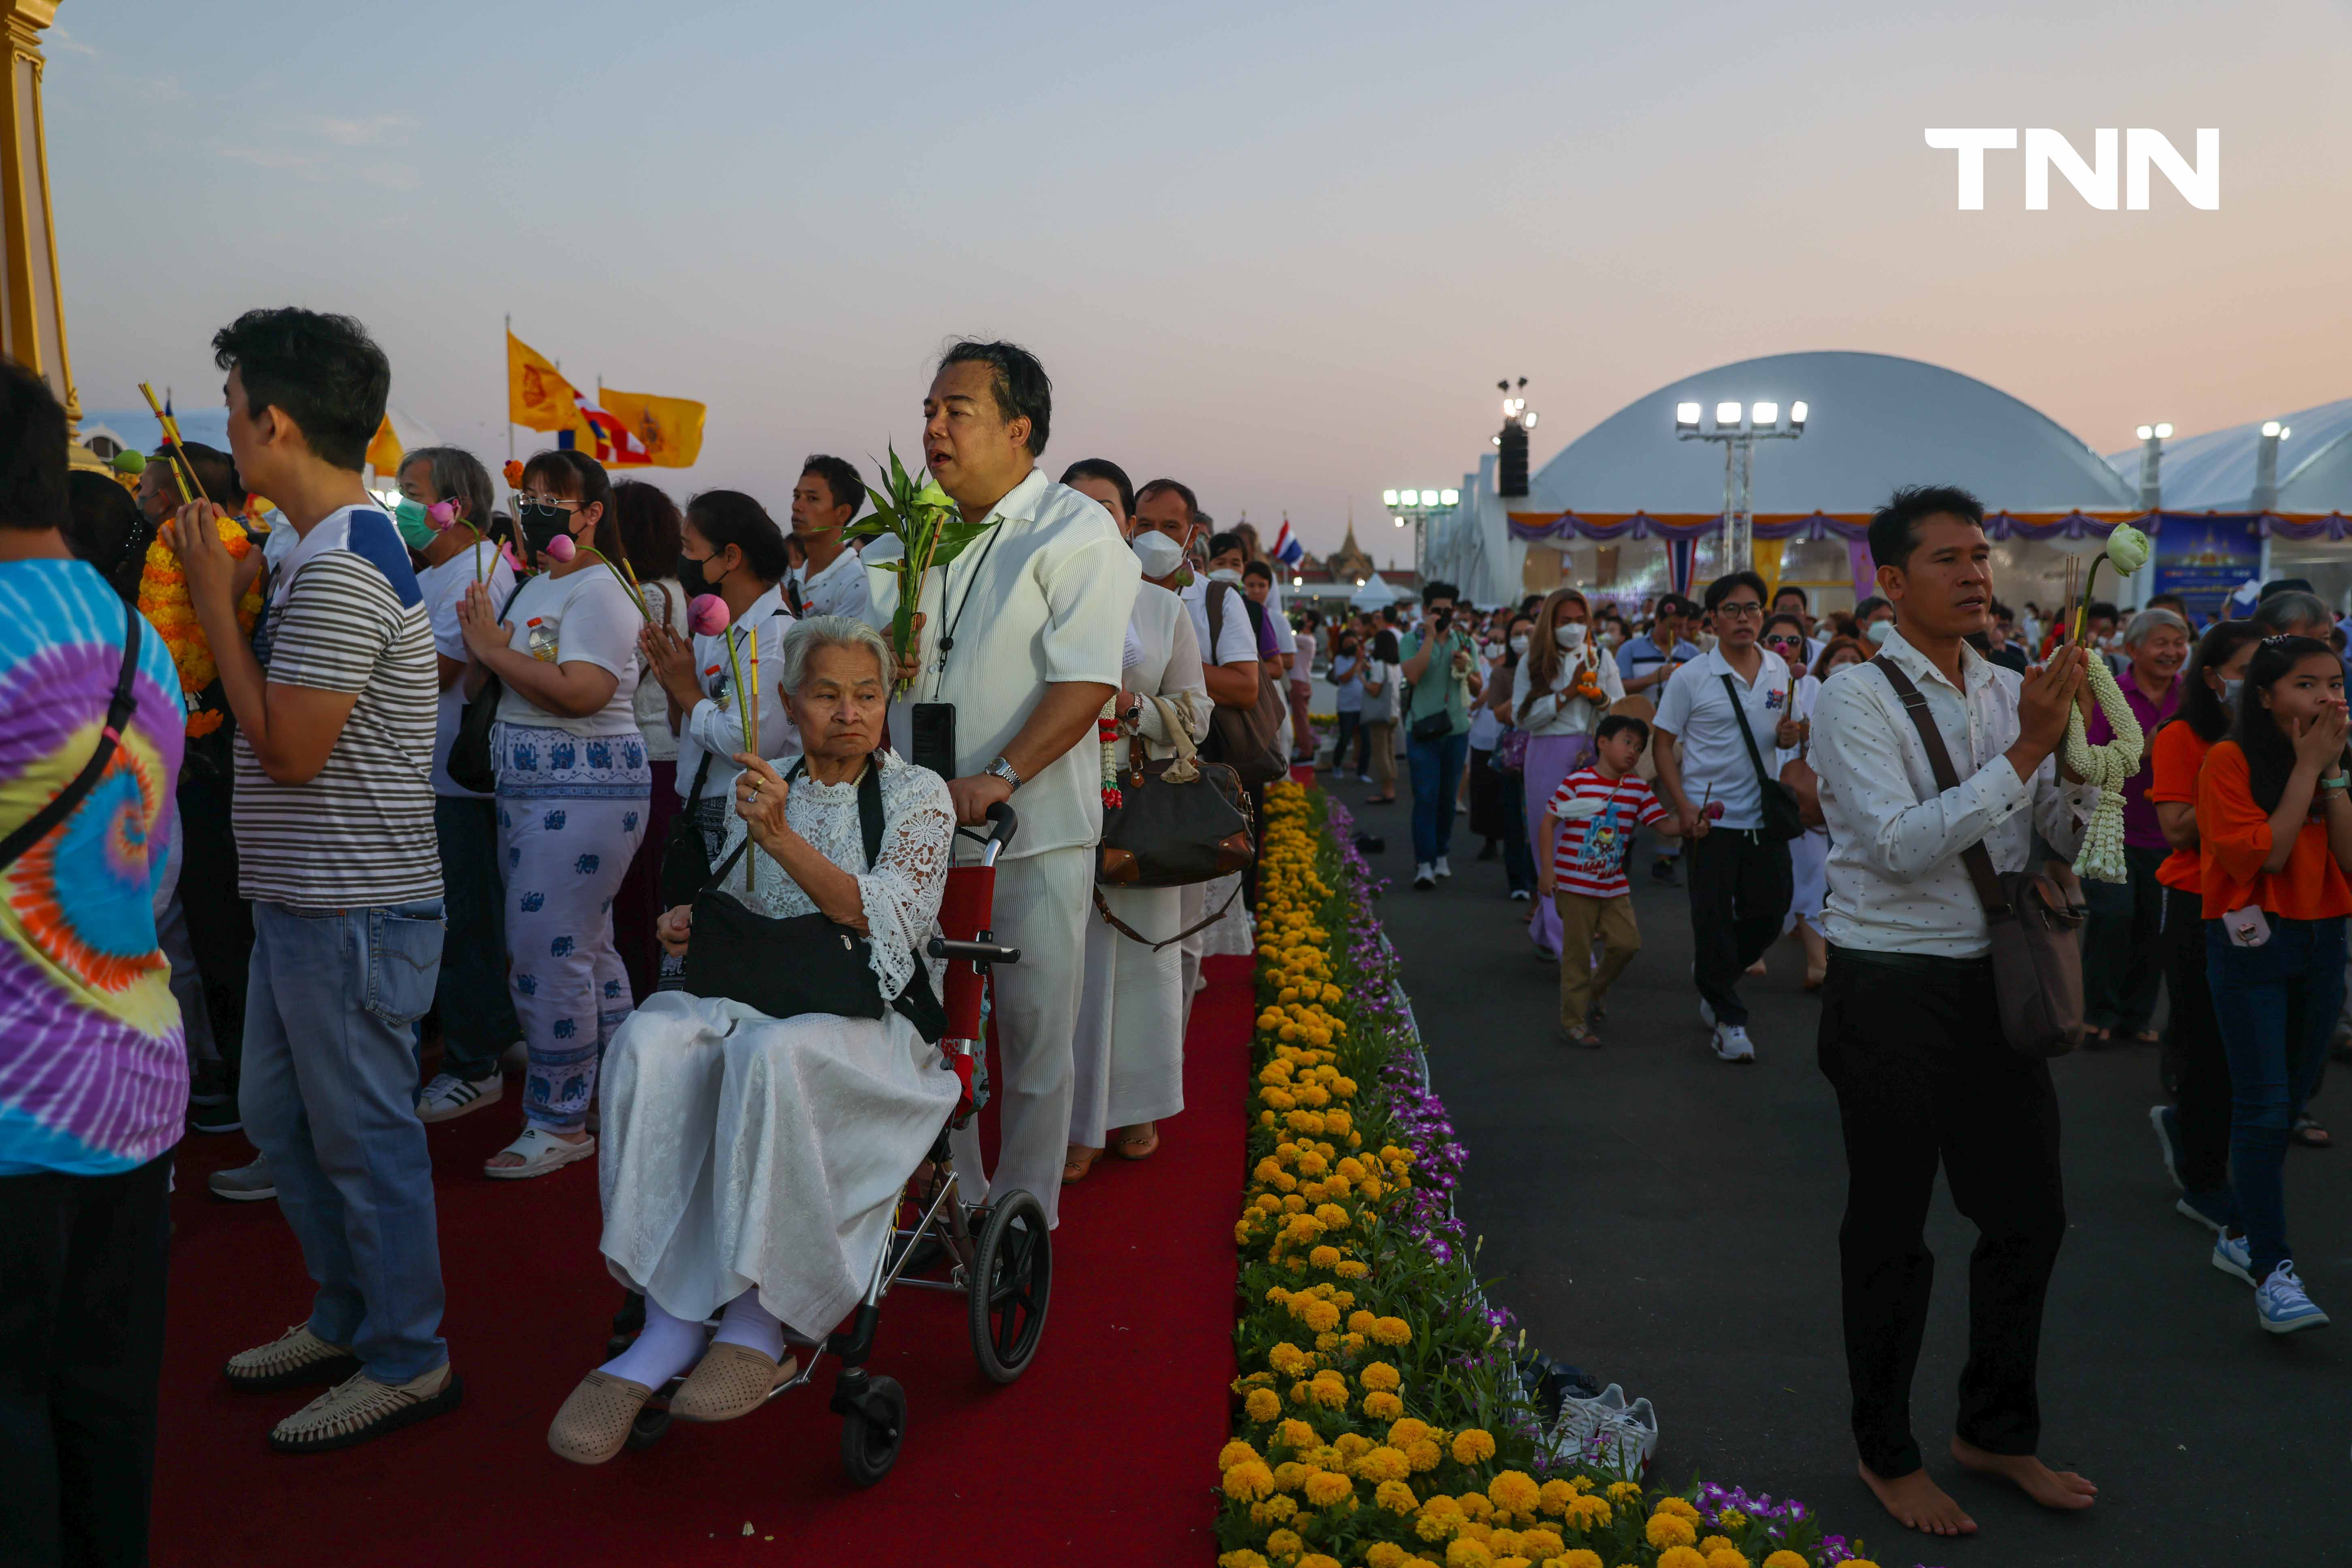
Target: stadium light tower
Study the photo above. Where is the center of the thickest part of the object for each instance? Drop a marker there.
(1738, 430)
(1414, 508)
(2265, 496)
(2152, 439)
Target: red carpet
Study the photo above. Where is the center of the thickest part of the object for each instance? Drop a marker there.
(1101, 1452)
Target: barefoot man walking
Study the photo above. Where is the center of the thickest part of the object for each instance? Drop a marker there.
(1911, 1036)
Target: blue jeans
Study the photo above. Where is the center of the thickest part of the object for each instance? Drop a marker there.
(477, 1015)
(1436, 767)
(2276, 1007)
(327, 1097)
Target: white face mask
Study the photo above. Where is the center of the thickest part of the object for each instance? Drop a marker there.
(1158, 553)
(1225, 575)
(1520, 643)
(1569, 634)
(1880, 631)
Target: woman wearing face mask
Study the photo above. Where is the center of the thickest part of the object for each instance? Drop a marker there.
(729, 547)
(1128, 1051)
(442, 515)
(572, 784)
(1496, 777)
(2121, 962)
(2274, 841)
(2195, 1130)
(1558, 693)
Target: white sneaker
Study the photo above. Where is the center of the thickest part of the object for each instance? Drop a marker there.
(1423, 876)
(448, 1096)
(1441, 868)
(2282, 1306)
(1577, 1431)
(2234, 1255)
(1636, 1433)
(1520, 895)
(1732, 1044)
(244, 1184)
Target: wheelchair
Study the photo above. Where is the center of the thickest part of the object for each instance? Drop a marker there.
(999, 1255)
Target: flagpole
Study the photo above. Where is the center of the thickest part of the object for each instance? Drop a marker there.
(510, 452)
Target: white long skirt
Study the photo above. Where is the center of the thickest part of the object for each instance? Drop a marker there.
(1236, 933)
(1809, 863)
(1130, 1053)
(741, 1150)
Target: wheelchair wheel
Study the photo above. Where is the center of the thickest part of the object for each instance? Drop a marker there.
(648, 1428)
(869, 1441)
(1011, 1285)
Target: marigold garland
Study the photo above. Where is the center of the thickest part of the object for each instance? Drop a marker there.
(164, 600)
(1377, 1422)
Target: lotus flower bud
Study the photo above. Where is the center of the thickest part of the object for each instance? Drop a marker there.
(1715, 811)
(507, 549)
(561, 549)
(441, 514)
(2127, 549)
(709, 614)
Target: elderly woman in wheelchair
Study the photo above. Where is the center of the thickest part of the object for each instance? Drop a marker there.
(754, 1155)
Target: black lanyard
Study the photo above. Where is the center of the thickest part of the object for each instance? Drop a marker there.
(947, 633)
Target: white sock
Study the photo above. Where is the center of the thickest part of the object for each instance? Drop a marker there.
(668, 1347)
(747, 1323)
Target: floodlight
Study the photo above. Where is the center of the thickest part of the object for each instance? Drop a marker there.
(2164, 432)
(1767, 414)
(2271, 429)
(2143, 432)
(1450, 498)
(1388, 498)
(1686, 416)
(2285, 432)
(1726, 413)
(1531, 421)
(1797, 411)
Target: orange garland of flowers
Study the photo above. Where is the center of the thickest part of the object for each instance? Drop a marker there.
(164, 600)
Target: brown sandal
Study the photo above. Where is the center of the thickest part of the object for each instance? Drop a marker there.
(594, 1421)
(1077, 1162)
(730, 1380)
(1131, 1147)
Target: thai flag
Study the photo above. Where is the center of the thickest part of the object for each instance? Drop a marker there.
(615, 446)
(1286, 548)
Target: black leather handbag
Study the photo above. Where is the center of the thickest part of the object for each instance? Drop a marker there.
(1247, 740)
(806, 964)
(1178, 822)
(471, 766)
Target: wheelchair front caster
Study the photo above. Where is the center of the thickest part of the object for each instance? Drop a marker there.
(1011, 1285)
(648, 1428)
(873, 1426)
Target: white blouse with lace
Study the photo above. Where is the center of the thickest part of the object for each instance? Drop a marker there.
(902, 890)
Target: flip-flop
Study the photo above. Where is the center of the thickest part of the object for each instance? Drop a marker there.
(542, 1152)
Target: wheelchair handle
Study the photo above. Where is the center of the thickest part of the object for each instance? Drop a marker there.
(979, 954)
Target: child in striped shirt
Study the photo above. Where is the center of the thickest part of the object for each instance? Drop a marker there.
(1590, 825)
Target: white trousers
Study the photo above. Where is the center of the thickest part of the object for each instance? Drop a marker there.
(1042, 905)
(1130, 1056)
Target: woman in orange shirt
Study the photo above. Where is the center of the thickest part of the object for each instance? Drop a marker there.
(2195, 1135)
(2274, 835)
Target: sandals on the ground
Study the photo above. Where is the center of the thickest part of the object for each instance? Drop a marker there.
(730, 1380)
(1131, 1147)
(594, 1421)
(541, 1152)
(2311, 1134)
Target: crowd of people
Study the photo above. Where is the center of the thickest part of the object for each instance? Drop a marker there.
(332, 808)
(1777, 764)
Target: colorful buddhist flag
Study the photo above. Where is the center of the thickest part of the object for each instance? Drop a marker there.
(538, 397)
(383, 451)
(669, 428)
(603, 437)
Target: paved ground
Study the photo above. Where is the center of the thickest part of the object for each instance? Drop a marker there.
(1670, 1223)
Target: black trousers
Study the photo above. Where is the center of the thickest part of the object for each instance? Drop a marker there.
(220, 923)
(1741, 886)
(81, 1347)
(2204, 1098)
(2123, 952)
(1915, 1051)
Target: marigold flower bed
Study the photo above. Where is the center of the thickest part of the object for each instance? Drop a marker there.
(1379, 1417)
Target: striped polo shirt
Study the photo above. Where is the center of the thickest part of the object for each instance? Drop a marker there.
(346, 615)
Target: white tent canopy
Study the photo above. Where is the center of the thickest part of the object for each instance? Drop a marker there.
(1371, 593)
(2215, 471)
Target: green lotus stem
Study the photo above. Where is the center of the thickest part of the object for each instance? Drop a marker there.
(745, 723)
(2083, 607)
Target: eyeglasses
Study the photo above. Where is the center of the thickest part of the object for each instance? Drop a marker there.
(524, 498)
(1742, 608)
(1782, 640)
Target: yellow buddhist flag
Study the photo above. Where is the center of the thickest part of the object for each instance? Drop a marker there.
(538, 397)
(383, 451)
(670, 427)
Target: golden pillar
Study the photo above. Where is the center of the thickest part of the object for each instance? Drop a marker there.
(32, 300)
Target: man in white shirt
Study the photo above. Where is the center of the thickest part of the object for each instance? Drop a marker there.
(1168, 507)
(1911, 1033)
(1023, 634)
(825, 501)
(1740, 878)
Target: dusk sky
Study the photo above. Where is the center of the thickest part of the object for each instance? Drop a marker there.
(1281, 251)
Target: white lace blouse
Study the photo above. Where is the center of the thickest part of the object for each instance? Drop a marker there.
(901, 893)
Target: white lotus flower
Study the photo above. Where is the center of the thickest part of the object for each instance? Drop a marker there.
(2128, 548)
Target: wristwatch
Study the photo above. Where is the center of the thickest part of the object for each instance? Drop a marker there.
(1001, 769)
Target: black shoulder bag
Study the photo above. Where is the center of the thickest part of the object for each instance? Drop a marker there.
(806, 963)
(1783, 818)
(119, 709)
(470, 763)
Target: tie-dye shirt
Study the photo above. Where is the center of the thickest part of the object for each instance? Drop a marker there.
(93, 1073)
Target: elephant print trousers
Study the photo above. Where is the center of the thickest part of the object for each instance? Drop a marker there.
(565, 856)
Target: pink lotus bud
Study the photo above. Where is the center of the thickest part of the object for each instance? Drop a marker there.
(561, 549)
(710, 617)
(1715, 811)
(441, 514)
(507, 549)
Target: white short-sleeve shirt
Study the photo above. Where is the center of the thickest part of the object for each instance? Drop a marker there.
(1042, 598)
(1697, 710)
(1237, 637)
(444, 587)
(594, 621)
